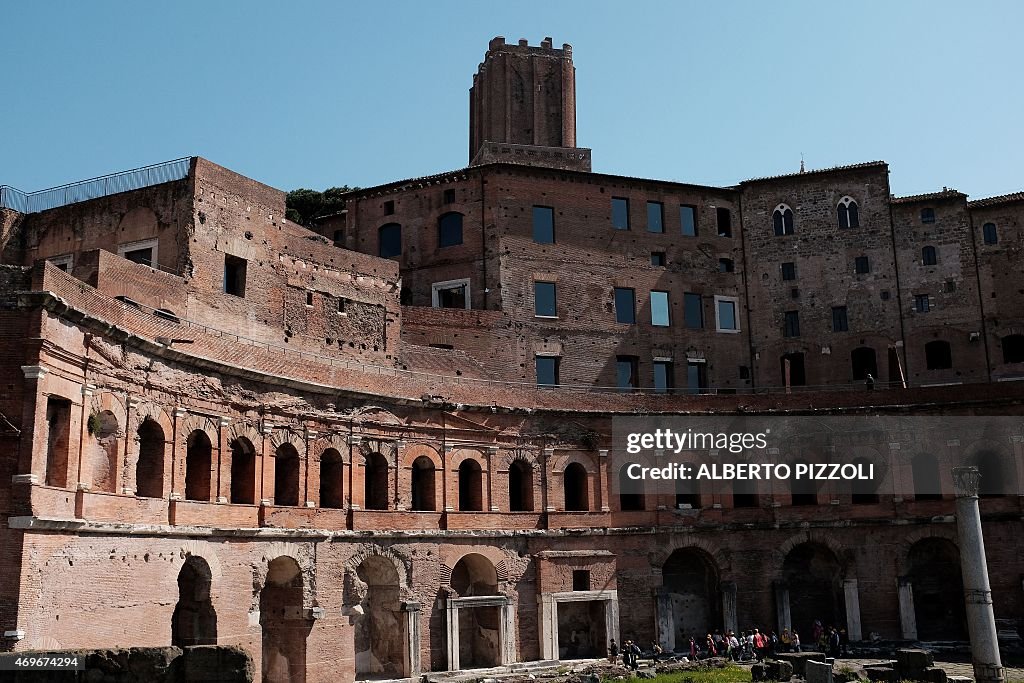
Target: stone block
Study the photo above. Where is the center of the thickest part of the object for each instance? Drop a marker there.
(908, 659)
(880, 673)
(217, 664)
(799, 660)
(818, 672)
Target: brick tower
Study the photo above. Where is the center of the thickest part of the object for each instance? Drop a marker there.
(522, 107)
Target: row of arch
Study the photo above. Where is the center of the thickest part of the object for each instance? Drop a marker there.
(449, 234)
(847, 216)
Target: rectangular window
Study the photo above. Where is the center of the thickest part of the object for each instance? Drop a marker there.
(990, 234)
(544, 299)
(688, 220)
(625, 305)
(921, 303)
(620, 213)
(655, 217)
(861, 265)
(547, 370)
(788, 271)
(664, 376)
(693, 311)
(725, 314)
(64, 262)
(339, 238)
(543, 225)
(581, 579)
(660, 314)
(143, 252)
(234, 275)
(449, 196)
(389, 207)
(658, 258)
(791, 327)
(696, 377)
(839, 321)
(724, 222)
(309, 298)
(450, 294)
(626, 372)
(726, 265)
(342, 302)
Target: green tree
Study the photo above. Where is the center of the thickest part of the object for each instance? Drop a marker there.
(304, 206)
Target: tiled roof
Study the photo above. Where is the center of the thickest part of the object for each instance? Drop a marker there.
(441, 362)
(1001, 199)
(945, 193)
(849, 167)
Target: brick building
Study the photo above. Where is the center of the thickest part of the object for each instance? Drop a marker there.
(383, 446)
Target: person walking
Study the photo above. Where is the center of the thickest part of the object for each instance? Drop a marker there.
(760, 646)
(656, 651)
(634, 655)
(613, 652)
(833, 642)
(693, 649)
(796, 642)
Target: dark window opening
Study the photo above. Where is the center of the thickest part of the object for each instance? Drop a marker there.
(149, 471)
(791, 327)
(693, 311)
(782, 221)
(309, 298)
(928, 215)
(1013, 348)
(664, 376)
(848, 214)
(744, 494)
(696, 377)
(389, 207)
(724, 222)
(793, 366)
(243, 472)
(389, 240)
(655, 217)
(198, 466)
(141, 256)
(543, 225)
(449, 230)
(726, 265)
(547, 370)
(744, 372)
(839, 320)
(342, 303)
(234, 275)
(470, 486)
(424, 484)
(938, 355)
(688, 220)
(574, 488)
(449, 347)
(927, 485)
(625, 305)
(286, 475)
(989, 232)
(332, 477)
(928, 256)
(627, 376)
(449, 197)
(545, 299)
(788, 271)
(631, 495)
(452, 297)
(520, 487)
(339, 238)
(863, 362)
(922, 304)
(620, 213)
(658, 258)
(581, 579)
(861, 265)
(375, 482)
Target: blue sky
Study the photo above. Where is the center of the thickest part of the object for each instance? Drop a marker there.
(315, 94)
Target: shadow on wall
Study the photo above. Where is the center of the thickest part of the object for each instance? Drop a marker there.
(213, 663)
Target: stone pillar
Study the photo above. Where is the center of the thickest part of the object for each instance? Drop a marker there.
(782, 607)
(981, 621)
(178, 454)
(411, 646)
(665, 622)
(492, 455)
(853, 627)
(908, 618)
(452, 636)
(729, 618)
(223, 482)
(32, 465)
(548, 627)
(310, 473)
(401, 482)
(602, 482)
(611, 618)
(548, 454)
(507, 634)
(266, 468)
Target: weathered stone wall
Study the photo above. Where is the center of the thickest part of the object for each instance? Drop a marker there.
(198, 664)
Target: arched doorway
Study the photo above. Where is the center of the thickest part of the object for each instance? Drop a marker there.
(375, 482)
(380, 630)
(813, 576)
(424, 490)
(471, 489)
(520, 486)
(284, 623)
(574, 484)
(194, 621)
(198, 466)
(286, 475)
(332, 476)
(938, 590)
(104, 429)
(479, 626)
(149, 470)
(863, 362)
(692, 594)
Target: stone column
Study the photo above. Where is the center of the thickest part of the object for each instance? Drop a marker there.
(411, 646)
(492, 455)
(402, 483)
(548, 627)
(665, 622)
(178, 456)
(548, 454)
(853, 626)
(908, 618)
(611, 617)
(310, 471)
(729, 618)
(602, 488)
(223, 482)
(507, 634)
(782, 607)
(452, 636)
(981, 621)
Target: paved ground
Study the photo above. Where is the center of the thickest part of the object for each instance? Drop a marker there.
(951, 669)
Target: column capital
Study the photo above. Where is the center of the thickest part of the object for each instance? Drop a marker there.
(224, 421)
(399, 443)
(549, 452)
(603, 453)
(354, 439)
(492, 450)
(311, 434)
(134, 402)
(966, 482)
(267, 429)
(34, 371)
(180, 412)
(88, 389)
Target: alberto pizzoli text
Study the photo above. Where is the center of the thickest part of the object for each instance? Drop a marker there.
(742, 471)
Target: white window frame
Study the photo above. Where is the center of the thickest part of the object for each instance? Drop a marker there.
(436, 288)
(152, 243)
(65, 260)
(736, 314)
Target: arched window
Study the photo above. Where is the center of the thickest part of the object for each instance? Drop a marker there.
(848, 214)
(423, 488)
(938, 355)
(520, 486)
(389, 240)
(449, 229)
(332, 474)
(471, 491)
(782, 220)
(1013, 348)
(103, 450)
(928, 257)
(286, 475)
(198, 465)
(926, 478)
(149, 471)
(194, 621)
(990, 234)
(375, 482)
(243, 471)
(574, 486)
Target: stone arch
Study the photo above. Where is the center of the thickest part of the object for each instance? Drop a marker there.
(245, 430)
(105, 455)
(205, 550)
(285, 606)
(386, 448)
(922, 534)
(402, 566)
(813, 574)
(192, 422)
(416, 450)
(691, 591)
(301, 556)
(280, 437)
(560, 462)
(811, 536)
(194, 621)
(506, 456)
(995, 464)
(325, 442)
(142, 410)
(719, 556)
(458, 455)
(494, 555)
(934, 573)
